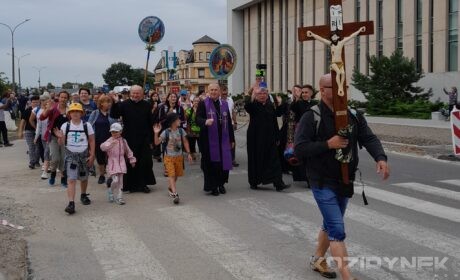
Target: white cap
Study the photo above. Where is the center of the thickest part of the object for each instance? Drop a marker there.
(116, 127)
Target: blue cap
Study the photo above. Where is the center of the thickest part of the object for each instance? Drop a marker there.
(263, 85)
(183, 92)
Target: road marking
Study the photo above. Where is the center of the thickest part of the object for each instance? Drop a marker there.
(451, 182)
(299, 228)
(120, 254)
(434, 240)
(430, 190)
(51, 190)
(418, 205)
(238, 258)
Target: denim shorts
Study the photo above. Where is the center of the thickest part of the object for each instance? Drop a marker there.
(332, 208)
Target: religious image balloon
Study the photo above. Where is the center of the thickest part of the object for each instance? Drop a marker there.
(151, 30)
(222, 61)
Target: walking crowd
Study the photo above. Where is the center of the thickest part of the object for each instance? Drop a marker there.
(123, 133)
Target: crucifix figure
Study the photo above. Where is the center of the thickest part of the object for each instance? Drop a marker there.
(335, 34)
(337, 64)
(76, 136)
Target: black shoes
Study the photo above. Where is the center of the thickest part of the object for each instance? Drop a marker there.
(235, 164)
(70, 208)
(85, 199)
(101, 180)
(215, 192)
(222, 190)
(8, 145)
(253, 187)
(146, 189)
(281, 186)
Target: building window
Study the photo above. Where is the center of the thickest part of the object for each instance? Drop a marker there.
(301, 23)
(208, 55)
(452, 40)
(379, 28)
(281, 44)
(201, 56)
(431, 48)
(418, 34)
(200, 73)
(272, 42)
(201, 88)
(357, 40)
(399, 25)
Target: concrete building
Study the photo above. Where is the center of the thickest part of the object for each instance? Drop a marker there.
(190, 70)
(265, 31)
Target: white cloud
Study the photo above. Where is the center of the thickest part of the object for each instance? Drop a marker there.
(79, 39)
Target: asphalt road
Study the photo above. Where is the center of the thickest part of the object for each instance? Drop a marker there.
(413, 220)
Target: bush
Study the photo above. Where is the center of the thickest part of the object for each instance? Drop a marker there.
(420, 109)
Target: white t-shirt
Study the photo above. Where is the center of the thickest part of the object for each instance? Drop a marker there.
(76, 139)
(230, 106)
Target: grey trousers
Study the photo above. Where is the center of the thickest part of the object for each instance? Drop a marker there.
(57, 154)
(34, 152)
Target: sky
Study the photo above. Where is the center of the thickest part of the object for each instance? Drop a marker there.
(77, 40)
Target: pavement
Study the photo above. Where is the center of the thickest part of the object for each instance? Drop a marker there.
(413, 220)
(409, 122)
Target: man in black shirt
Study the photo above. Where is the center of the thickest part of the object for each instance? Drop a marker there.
(316, 146)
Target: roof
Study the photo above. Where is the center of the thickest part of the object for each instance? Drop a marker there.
(206, 40)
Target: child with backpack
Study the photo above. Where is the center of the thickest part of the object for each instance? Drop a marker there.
(117, 150)
(174, 140)
(78, 138)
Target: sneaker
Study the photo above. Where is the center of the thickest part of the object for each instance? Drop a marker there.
(43, 168)
(320, 265)
(101, 180)
(70, 208)
(85, 199)
(110, 195)
(120, 201)
(31, 166)
(44, 175)
(64, 182)
(176, 198)
(52, 179)
(8, 145)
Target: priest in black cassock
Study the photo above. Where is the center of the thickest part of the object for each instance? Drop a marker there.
(216, 140)
(264, 164)
(138, 131)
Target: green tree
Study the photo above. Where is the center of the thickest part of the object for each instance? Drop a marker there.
(50, 86)
(4, 84)
(138, 77)
(88, 85)
(118, 74)
(391, 84)
(67, 85)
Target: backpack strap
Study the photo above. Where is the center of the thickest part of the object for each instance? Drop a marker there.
(316, 117)
(67, 130)
(165, 141)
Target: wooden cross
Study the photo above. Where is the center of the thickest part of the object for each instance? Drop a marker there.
(335, 35)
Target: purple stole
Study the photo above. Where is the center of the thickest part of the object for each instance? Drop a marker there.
(213, 134)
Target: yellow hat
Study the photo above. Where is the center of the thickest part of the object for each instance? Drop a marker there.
(75, 107)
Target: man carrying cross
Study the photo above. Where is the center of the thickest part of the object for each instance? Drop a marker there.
(327, 140)
(315, 144)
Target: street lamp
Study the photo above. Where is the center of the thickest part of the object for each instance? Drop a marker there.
(39, 69)
(12, 30)
(19, 68)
